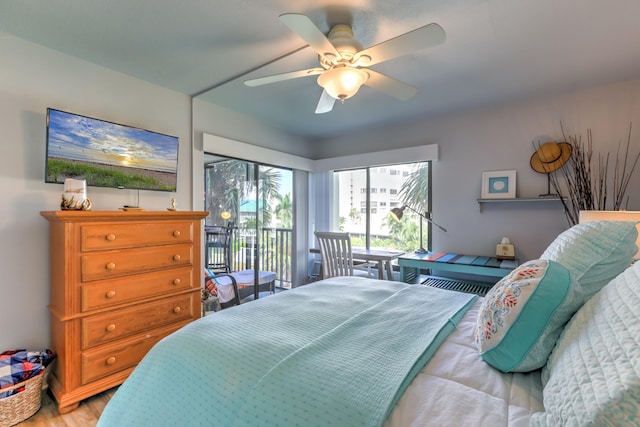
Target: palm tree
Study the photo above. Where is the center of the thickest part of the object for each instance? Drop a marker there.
(414, 192)
(268, 190)
(415, 189)
(229, 181)
(355, 215)
(225, 183)
(284, 210)
(403, 234)
(341, 222)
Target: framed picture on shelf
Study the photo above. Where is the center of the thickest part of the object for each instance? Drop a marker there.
(499, 185)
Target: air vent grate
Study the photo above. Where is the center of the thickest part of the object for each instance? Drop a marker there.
(477, 288)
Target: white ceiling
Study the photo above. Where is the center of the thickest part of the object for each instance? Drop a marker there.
(496, 51)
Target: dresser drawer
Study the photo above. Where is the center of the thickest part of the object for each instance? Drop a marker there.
(107, 327)
(117, 236)
(112, 358)
(105, 265)
(107, 293)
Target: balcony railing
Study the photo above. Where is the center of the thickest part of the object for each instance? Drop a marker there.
(274, 254)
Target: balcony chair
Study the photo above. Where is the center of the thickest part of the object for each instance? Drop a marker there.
(337, 257)
(220, 277)
(222, 289)
(218, 247)
(228, 289)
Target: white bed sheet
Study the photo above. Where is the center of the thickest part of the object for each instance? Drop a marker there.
(457, 388)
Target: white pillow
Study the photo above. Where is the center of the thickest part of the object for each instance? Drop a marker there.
(592, 377)
(595, 252)
(522, 316)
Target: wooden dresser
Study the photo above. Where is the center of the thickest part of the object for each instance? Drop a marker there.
(120, 281)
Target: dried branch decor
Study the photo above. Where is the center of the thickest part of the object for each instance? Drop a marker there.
(588, 188)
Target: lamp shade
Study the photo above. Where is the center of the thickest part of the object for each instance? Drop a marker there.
(397, 213)
(342, 82)
(587, 216)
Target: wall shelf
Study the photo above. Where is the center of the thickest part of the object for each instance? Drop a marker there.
(481, 202)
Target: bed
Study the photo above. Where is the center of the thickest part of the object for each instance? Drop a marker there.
(557, 342)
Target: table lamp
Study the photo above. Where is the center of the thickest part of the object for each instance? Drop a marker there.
(397, 213)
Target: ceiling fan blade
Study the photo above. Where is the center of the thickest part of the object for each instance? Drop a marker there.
(421, 38)
(284, 76)
(390, 86)
(326, 103)
(310, 33)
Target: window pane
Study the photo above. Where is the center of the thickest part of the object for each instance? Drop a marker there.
(398, 185)
(352, 207)
(408, 186)
(386, 231)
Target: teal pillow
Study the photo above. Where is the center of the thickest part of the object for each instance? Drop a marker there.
(592, 377)
(522, 316)
(595, 252)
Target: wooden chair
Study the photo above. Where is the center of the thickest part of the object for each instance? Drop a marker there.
(337, 257)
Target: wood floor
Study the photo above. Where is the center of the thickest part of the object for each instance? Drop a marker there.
(86, 415)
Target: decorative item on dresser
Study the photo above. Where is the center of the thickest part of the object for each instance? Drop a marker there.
(120, 281)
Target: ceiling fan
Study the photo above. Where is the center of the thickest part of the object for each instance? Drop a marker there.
(344, 64)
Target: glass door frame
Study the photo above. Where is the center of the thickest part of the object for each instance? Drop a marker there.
(253, 190)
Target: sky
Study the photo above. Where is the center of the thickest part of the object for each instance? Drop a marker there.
(77, 137)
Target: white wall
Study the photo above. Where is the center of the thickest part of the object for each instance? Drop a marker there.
(501, 139)
(31, 79)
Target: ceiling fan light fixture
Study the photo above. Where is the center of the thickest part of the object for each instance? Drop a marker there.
(342, 82)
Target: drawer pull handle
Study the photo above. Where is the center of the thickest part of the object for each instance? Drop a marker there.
(177, 310)
(110, 294)
(177, 257)
(176, 281)
(111, 327)
(110, 361)
(110, 266)
(110, 237)
(176, 233)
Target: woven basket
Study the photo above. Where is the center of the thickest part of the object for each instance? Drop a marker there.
(20, 406)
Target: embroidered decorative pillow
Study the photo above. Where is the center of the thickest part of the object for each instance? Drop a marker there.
(522, 316)
(595, 252)
(592, 377)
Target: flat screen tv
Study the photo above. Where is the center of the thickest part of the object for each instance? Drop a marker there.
(107, 154)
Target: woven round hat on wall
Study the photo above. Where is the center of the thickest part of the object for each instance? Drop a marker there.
(550, 156)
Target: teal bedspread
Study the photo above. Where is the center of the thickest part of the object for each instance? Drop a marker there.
(338, 352)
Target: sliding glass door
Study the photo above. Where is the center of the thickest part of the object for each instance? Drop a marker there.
(256, 202)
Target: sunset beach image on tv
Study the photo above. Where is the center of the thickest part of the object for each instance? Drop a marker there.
(107, 154)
